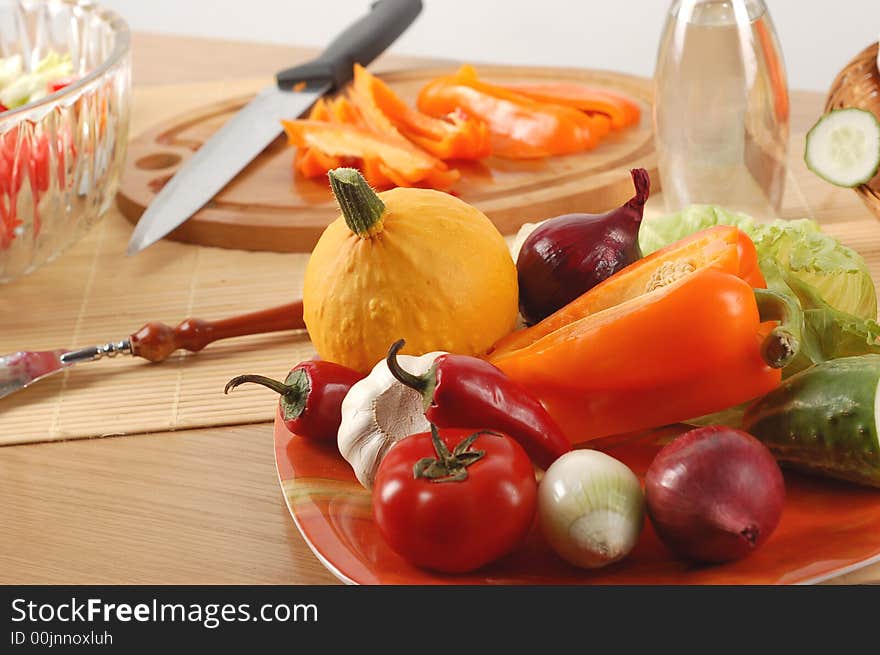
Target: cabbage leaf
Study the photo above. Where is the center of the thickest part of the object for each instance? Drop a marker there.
(837, 273)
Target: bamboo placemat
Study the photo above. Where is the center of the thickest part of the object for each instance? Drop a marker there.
(94, 293)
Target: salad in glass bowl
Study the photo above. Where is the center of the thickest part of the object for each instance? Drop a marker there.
(19, 86)
(64, 88)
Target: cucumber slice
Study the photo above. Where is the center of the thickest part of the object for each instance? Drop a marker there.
(843, 147)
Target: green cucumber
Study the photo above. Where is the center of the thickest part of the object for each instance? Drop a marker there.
(824, 419)
(843, 147)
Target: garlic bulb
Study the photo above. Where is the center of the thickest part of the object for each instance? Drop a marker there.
(379, 411)
(524, 231)
(591, 508)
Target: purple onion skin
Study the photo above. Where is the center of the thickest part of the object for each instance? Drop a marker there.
(569, 255)
(714, 495)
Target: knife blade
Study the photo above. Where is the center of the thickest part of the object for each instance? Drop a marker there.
(219, 160)
(22, 369)
(258, 123)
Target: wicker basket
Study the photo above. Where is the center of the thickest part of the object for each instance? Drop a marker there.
(858, 85)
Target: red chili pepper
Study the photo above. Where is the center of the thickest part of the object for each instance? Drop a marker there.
(311, 396)
(467, 392)
(3, 107)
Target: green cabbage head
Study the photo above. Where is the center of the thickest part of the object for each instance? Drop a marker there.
(837, 272)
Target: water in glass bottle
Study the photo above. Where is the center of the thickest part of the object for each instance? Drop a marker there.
(721, 107)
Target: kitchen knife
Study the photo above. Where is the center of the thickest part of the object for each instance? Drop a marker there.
(258, 123)
(154, 342)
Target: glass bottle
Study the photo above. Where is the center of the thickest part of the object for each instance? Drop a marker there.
(721, 107)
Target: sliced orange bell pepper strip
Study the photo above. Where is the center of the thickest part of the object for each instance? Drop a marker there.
(373, 117)
(312, 163)
(343, 111)
(320, 111)
(452, 137)
(410, 164)
(374, 172)
(370, 140)
(691, 347)
(723, 247)
(521, 128)
(622, 111)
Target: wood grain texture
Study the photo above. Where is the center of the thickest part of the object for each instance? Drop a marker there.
(95, 294)
(200, 506)
(266, 208)
(163, 59)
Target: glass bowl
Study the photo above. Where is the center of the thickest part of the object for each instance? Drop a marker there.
(61, 156)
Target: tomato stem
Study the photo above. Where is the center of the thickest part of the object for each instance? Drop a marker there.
(450, 466)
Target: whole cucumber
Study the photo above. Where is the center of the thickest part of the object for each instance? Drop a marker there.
(824, 419)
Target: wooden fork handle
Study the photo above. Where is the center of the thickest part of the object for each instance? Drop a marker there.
(156, 341)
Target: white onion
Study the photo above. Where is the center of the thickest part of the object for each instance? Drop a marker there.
(591, 508)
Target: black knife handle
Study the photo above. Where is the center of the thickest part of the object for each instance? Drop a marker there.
(360, 43)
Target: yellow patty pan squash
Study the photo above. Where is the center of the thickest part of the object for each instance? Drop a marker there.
(414, 264)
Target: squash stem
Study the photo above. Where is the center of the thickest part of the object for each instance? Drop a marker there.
(361, 206)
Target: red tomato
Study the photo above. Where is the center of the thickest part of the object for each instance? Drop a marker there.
(59, 84)
(456, 525)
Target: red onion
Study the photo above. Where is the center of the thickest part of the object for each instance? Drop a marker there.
(568, 255)
(714, 494)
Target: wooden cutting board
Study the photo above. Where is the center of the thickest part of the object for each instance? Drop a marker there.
(266, 208)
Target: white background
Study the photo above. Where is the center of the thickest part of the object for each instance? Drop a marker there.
(818, 37)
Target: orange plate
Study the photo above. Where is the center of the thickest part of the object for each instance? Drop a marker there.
(827, 529)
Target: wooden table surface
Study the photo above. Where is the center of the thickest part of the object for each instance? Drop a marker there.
(204, 506)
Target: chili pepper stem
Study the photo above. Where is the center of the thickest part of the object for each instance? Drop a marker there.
(275, 385)
(423, 384)
(293, 391)
(783, 343)
(361, 206)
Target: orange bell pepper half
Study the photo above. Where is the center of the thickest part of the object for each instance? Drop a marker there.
(723, 247)
(521, 128)
(452, 137)
(622, 111)
(410, 165)
(695, 345)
